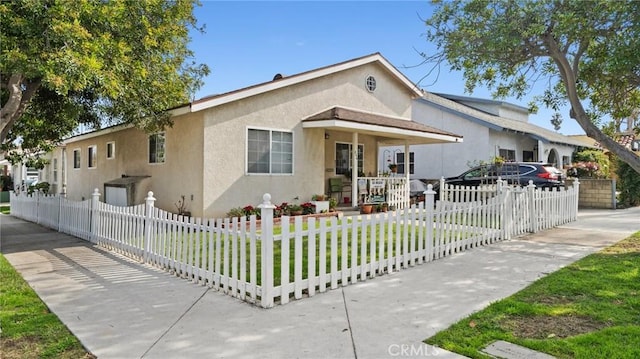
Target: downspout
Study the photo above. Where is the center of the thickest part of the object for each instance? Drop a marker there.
(63, 168)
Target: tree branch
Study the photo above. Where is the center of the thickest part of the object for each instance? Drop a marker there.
(17, 102)
(576, 58)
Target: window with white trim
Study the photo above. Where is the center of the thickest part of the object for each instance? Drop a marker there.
(269, 151)
(400, 162)
(370, 83)
(111, 150)
(55, 170)
(157, 148)
(343, 158)
(92, 156)
(76, 158)
(508, 155)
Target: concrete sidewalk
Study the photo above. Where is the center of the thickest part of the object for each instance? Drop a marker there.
(121, 309)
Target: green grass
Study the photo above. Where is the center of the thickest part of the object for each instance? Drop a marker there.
(29, 329)
(590, 309)
(5, 209)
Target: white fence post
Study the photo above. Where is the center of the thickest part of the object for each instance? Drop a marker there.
(533, 215)
(576, 193)
(60, 199)
(505, 197)
(148, 224)
(443, 190)
(429, 204)
(93, 215)
(266, 216)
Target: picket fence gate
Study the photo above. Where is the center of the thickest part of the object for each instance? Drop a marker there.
(266, 264)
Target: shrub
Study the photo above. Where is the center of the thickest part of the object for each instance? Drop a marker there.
(628, 184)
(42, 187)
(590, 163)
(6, 183)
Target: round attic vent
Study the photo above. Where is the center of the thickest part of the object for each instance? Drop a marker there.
(370, 83)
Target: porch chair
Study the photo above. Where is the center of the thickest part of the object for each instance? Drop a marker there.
(335, 186)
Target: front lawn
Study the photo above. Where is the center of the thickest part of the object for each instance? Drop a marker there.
(589, 309)
(29, 329)
(5, 209)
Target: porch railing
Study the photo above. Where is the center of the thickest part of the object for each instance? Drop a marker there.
(391, 190)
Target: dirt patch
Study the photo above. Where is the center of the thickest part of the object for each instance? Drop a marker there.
(562, 326)
(551, 300)
(31, 346)
(631, 245)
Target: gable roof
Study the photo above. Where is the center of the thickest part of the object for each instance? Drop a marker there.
(281, 82)
(498, 123)
(491, 102)
(216, 100)
(391, 130)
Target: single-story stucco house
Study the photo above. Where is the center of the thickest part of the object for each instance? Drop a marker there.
(287, 137)
(490, 128)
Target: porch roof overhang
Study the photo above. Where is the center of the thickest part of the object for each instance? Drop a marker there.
(387, 130)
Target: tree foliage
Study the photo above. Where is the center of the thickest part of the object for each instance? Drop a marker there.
(587, 52)
(70, 62)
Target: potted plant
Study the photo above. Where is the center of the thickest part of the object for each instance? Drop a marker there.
(237, 212)
(308, 208)
(366, 208)
(181, 205)
(393, 167)
(295, 209)
(251, 210)
(320, 202)
(319, 197)
(333, 203)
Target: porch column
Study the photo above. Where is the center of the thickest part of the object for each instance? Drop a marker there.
(354, 169)
(407, 191)
(406, 160)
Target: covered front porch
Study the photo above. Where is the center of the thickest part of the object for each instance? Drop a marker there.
(353, 142)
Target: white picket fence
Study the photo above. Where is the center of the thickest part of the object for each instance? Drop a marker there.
(269, 263)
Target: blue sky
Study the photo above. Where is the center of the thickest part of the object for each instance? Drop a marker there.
(247, 42)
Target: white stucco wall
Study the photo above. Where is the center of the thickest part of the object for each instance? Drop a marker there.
(435, 161)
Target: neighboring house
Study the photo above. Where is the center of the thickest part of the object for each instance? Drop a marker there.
(490, 129)
(286, 137)
(625, 135)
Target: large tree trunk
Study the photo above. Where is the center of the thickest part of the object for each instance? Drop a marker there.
(20, 94)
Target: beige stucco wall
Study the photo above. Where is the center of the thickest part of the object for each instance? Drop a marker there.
(180, 174)
(228, 185)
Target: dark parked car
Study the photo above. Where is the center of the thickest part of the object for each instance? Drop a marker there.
(543, 175)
